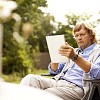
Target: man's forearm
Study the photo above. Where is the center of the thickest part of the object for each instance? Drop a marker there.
(54, 66)
(83, 64)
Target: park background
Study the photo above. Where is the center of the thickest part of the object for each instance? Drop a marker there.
(24, 47)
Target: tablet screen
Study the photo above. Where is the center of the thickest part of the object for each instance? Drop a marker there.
(54, 42)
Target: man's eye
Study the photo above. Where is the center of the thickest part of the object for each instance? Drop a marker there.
(82, 34)
(76, 35)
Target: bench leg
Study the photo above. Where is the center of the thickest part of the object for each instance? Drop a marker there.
(93, 87)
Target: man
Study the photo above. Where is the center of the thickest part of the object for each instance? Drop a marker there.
(68, 84)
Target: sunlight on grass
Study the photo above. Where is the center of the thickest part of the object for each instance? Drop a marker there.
(15, 77)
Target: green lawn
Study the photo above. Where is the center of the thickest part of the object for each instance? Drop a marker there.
(15, 78)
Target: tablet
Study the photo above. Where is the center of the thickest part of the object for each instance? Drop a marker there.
(54, 42)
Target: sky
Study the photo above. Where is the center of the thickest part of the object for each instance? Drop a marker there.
(59, 8)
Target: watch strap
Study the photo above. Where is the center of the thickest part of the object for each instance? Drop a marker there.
(75, 58)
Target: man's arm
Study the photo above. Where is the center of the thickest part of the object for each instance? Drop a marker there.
(68, 51)
(55, 68)
(83, 64)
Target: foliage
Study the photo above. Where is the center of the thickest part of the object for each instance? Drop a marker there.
(30, 11)
(16, 57)
(15, 77)
(19, 57)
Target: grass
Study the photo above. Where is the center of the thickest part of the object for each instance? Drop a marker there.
(16, 78)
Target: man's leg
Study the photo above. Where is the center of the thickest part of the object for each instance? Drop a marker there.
(38, 81)
(61, 88)
(66, 90)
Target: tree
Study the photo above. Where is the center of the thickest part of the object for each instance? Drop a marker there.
(20, 57)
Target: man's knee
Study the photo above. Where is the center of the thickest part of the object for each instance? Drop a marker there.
(26, 80)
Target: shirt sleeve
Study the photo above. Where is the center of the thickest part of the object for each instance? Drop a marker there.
(94, 72)
(60, 67)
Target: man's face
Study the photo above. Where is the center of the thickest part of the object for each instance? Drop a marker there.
(83, 38)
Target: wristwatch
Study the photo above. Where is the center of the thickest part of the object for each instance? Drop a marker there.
(75, 58)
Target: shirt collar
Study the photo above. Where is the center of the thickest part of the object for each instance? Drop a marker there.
(87, 49)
